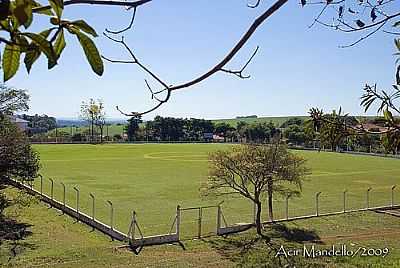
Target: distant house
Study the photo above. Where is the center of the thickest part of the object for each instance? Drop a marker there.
(372, 127)
(21, 123)
(218, 138)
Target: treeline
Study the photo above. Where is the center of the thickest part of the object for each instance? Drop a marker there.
(295, 131)
(180, 129)
(39, 123)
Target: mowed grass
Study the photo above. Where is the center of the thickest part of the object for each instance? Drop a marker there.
(154, 178)
(56, 240)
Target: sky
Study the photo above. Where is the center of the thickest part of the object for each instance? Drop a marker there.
(297, 67)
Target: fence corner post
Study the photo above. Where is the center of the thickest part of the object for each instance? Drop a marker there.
(133, 226)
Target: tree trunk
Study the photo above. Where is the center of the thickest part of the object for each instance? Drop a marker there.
(92, 132)
(270, 206)
(101, 134)
(258, 219)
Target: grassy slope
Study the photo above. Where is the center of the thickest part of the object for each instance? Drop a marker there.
(367, 230)
(276, 120)
(154, 178)
(58, 241)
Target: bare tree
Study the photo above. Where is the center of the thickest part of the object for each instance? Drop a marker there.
(93, 113)
(252, 171)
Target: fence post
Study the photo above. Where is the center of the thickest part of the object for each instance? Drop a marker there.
(178, 220)
(63, 185)
(344, 200)
(317, 203)
(41, 185)
(200, 219)
(77, 202)
(111, 215)
(51, 189)
(133, 225)
(218, 218)
(368, 190)
(393, 187)
(287, 206)
(93, 206)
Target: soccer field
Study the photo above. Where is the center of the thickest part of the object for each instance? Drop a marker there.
(154, 178)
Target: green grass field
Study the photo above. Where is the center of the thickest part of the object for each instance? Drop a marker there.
(154, 178)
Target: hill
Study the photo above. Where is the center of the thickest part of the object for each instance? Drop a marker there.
(278, 120)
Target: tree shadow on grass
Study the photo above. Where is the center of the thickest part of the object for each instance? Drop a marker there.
(248, 250)
(12, 236)
(294, 234)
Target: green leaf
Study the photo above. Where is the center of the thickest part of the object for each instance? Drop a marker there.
(22, 42)
(36, 5)
(388, 115)
(59, 45)
(23, 12)
(58, 6)
(11, 56)
(397, 43)
(30, 57)
(91, 52)
(5, 24)
(45, 46)
(82, 25)
(46, 33)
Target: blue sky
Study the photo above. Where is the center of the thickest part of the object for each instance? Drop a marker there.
(296, 68)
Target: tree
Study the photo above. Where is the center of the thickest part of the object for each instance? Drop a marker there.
(18, 160)
(40, 123)
(292, 121)
(332, 128)
(295, 134)
(93, 113)
(252, 171)
(132, 128)
(12, 100)
(391, 142)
